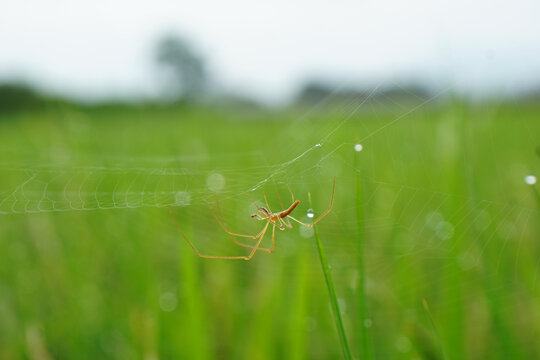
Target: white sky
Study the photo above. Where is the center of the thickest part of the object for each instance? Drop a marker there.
(267, 49)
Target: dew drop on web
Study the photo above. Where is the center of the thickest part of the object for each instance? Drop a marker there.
(310, 214)
(306, 232)
(182, 198)
(215, 182)
(358, 147)
(530, 179)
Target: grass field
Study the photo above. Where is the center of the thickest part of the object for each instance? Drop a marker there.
(433, 209)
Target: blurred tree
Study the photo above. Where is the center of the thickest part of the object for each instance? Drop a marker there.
(317, 91)
(187, 68)
(17, 97)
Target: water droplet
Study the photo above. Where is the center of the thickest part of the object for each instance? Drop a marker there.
(318, 145)
(182, 198)
(433, 219)
(530, 179)
(403, 344)
(358, 147)
(310, 214)
(444, 230)
(306, 232)
(215, 182)
(168, 301)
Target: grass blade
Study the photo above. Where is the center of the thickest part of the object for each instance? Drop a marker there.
(333, 298)
(363, 332)
(434, 328)
(536, 194)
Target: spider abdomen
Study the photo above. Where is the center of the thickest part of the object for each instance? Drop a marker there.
(289, 210)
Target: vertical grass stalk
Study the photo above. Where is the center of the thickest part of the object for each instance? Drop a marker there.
(333, 297)
(434, 328)
(296, 344)
(363, 331)
(196, 332)
(536, 194)
(332, 294)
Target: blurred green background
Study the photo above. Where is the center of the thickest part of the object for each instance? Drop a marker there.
(93, 266)
(115, 115)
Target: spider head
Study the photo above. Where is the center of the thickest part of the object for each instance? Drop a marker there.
(262, 215)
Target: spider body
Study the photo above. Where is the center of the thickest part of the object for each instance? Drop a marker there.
(285, 213)
(275, 217)
(264, 213)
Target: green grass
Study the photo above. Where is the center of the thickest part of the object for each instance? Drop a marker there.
(434, 207)
(327, 271)
(434, 328)
(363, 341)
(536, 194)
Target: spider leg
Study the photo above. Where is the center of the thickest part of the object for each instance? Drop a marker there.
(259, 242)
(324, 214)
(271, 213)
(285, 223)
(273, 234)
(290, 191)
(288, 223)
(250, 246)
(279, 197)
(298, 221)
(271, 250)
(256, 206)
(265, 212)
(220, 257)
(222, 223)
(266, 201)
(224, 226)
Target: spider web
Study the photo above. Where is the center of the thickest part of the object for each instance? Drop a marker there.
(305, 153)
(424, 196)
(68, 187)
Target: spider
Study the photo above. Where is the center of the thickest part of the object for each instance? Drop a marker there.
(276, 219)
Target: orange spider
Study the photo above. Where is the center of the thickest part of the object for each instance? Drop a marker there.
(275, 219)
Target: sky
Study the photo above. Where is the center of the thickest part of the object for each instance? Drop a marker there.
(268, 49)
